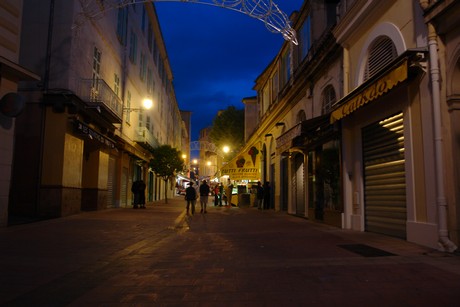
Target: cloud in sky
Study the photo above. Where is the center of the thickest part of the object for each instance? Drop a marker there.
(215, 54)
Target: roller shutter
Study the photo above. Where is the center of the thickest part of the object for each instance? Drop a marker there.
(111, 183)
(384, 177)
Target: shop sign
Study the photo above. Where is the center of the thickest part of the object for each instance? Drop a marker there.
(81, 127)
(371, 92)
(245, 166)
(284, 142)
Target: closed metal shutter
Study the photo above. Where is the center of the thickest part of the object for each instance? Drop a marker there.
(111, 183)
(384, 177)
(298, 183)
(124, 187)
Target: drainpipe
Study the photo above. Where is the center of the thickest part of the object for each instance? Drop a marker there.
(444, 241)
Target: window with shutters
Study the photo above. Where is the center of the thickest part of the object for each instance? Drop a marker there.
(328, 98)
(301, 116)
(381, 52)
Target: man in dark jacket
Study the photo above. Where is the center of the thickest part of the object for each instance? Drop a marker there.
(260, 195)
(204, 193)
(138, 189)
(190, 197)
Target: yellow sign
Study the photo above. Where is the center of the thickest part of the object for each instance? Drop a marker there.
(245, 166)
(372, 92)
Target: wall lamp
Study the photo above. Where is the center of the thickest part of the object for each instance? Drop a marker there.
(268, 135)
(147, 104)
(280, 124)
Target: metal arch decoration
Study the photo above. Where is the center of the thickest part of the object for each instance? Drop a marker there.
(267, 11)
(205, 146)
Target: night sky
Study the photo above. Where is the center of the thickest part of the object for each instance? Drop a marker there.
(216, 54)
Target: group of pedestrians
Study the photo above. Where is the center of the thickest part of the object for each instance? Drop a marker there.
(191, 196)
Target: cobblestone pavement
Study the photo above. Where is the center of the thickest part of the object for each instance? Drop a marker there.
(228, 257)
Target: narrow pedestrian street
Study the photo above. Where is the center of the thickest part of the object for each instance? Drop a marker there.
(228, 257)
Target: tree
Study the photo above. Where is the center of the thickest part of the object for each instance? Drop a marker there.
(228, 129)
(166, 163)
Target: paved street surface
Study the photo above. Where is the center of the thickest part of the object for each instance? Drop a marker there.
(228, 257)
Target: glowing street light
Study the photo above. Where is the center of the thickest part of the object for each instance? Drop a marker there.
(147, 103)
(226, 149)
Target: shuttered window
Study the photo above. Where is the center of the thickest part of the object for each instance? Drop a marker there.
(328, 99)
(381, 52)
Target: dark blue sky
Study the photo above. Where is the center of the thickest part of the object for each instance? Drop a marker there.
(216, 54)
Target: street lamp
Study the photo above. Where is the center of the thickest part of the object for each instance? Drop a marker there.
(147, 104)
(226, 149)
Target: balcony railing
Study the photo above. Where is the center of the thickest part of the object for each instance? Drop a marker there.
(98, 94)
(145, 138)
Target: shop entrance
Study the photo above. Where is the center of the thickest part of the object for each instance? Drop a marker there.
(384, 177)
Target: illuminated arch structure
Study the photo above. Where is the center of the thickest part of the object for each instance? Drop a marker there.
(205, 146)
(267, 11)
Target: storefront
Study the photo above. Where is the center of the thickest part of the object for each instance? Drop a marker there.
(243, 172)
(314, 156)
(384, 152)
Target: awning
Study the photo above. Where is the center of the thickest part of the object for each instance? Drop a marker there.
(371, 91)
(307, 132)
(284, 141)
(245, 166)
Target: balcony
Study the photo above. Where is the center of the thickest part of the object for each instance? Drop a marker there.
(146, 139)
(98, 95)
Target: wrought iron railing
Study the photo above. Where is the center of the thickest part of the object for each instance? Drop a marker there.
(144, 136)
(98, 93)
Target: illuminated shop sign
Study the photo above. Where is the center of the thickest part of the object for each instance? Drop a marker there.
(371, 92)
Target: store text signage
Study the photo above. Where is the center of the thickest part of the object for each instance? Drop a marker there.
(284, 142)
(94, 135)
(371, 92)
(245, 166)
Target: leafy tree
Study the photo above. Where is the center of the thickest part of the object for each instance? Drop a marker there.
(166, 163)
(228, 129)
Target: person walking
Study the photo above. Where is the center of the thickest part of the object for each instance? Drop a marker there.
(260, 195)
(204, 193)
(229, 192)
(221, 193)
(216, 195)
(266, 195)
(190, 197)
(138, 189)
(141, 191)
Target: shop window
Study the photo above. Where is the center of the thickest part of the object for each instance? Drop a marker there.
(381, 52)
(324, 180)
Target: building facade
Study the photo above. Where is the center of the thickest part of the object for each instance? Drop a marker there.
(441, 19)
(86, 134)
(357, 125)
(11, 102)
